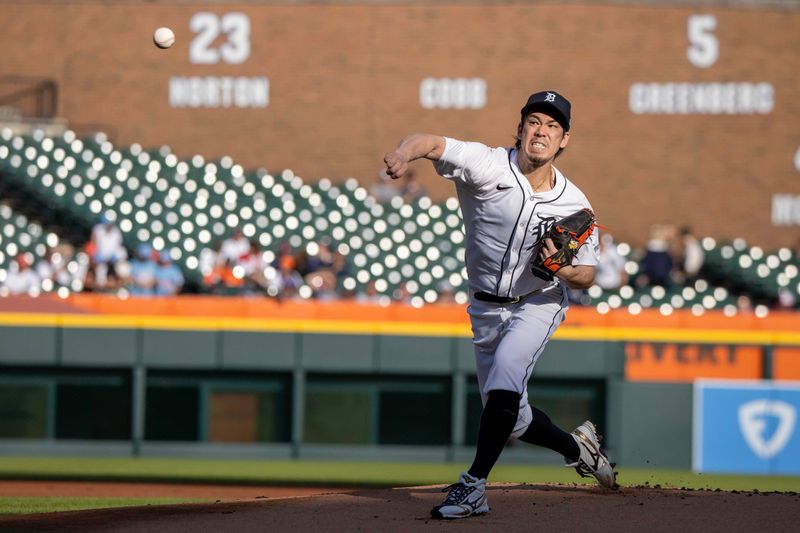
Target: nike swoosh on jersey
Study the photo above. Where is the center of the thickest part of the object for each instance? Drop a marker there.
(504, 187)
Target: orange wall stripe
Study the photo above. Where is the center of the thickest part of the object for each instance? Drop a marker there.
(388, 327)
(786, 363)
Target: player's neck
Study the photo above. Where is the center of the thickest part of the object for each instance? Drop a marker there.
(541, 175)
(542, 178)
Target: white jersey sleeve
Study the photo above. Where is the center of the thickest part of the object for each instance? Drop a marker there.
(589, 254)
(466, 162)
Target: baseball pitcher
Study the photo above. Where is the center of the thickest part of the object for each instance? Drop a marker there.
(529, 235)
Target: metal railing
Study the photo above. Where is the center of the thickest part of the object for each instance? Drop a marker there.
(27, 97)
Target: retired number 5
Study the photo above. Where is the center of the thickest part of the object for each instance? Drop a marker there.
(703, 48)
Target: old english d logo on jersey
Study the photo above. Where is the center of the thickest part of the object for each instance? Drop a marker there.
(541, 229)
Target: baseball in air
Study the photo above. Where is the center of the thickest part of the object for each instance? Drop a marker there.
(163, 37)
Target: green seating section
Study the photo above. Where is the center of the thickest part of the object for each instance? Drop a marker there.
(765, 275)
(19, 236)
(186, 206)
(25, 242)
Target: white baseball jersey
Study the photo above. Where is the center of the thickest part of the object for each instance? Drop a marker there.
(504, 221)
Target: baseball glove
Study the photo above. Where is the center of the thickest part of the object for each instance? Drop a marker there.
(568, 235)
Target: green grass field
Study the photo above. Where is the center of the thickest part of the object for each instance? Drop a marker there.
(321, 473)
(28, 505)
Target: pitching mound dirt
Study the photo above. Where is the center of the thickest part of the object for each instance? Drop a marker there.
(513, 508)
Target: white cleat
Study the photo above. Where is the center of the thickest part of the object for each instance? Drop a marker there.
(467, 497)
(592, 460)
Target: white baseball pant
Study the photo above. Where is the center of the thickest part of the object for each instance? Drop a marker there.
(509, 339)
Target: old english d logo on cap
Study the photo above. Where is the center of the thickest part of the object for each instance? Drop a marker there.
(553, 104)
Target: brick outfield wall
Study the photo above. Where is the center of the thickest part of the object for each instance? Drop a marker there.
(344, 87)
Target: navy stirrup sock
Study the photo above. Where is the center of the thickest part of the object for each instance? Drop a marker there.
(542, 432)
(497, 422)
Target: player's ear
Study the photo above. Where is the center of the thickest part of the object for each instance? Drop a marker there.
(564, 140)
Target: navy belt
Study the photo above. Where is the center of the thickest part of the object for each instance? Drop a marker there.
(504, 300)
(493, 298)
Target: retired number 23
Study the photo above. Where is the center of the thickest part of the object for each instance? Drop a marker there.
(208, 26)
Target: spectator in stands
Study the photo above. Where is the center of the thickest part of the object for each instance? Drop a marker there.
(744, 303)
(384, 189)
(323, 283)
(315, 262)
(169, 278)
(657, 263)
(369, 295)
(324, 270)
(226, 278)
(88, 281)
(46, 267)
(142, 281)
(283, 278)
(445, 293)
(284, 250)
(272, 281)
(412, 188)
(289, 279)
(209, 257)
(234, 248)
(301, 262)
(402, 295)
(53, 267)
(106, 251)
(692, 256)
(786, 299)
(318, 272)
(253, 265)
(339, 267)
(610, 272)
(21, 278)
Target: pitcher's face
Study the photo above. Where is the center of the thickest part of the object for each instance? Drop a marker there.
(541, 137)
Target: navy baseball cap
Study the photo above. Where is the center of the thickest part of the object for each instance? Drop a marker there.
(552, 103)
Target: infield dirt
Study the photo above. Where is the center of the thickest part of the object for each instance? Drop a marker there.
(514, 508)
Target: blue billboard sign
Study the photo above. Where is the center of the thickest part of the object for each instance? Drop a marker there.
(748, 427)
